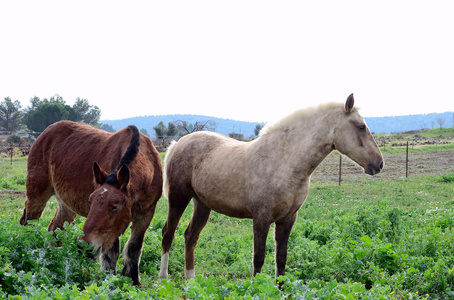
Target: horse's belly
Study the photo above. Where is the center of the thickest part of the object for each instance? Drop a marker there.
(227, 205)
(234, 212)
(75, 200)
(73, 183)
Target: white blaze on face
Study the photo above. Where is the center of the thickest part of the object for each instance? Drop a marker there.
(104, 190)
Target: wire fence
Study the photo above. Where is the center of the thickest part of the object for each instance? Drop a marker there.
(11, 151)
(335, 168)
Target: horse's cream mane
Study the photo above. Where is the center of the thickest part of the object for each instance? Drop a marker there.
(298, 115)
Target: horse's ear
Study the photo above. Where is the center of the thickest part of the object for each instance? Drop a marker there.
(349, 104)
(99, 174)
(123, 177)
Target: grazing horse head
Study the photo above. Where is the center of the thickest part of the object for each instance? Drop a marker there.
(110, 210)
(352, 138)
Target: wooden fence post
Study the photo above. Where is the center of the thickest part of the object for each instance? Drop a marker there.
(406, 163)
(340, 169)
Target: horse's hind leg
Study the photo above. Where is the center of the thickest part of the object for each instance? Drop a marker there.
(178, 201)
(39, 190)
(192, 233)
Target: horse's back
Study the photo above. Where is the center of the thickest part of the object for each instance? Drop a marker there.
(191, 150)
(187, 154)
(67, 148)
(63, 135)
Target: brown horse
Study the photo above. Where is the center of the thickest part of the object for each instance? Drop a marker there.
(65, 161)
(266, 179)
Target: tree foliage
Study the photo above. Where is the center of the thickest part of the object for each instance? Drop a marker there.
(107, 127)
(163, 133)
(42, 113)
(11, 115)
(13, 139)
(181, 128)
(186, 128)
(85, 112)
(440, 122)
(48, 113)
(145, 132)
(257, 129)
(172, 129)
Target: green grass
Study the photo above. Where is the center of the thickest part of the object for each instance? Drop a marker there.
(425, 140)
(416, 149)
(12, 175)
(426, 133)
(435, 132)
(377, 239)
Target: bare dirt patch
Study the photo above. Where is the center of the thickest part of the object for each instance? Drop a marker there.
(437, 163)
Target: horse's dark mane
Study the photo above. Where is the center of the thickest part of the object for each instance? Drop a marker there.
(129, 155)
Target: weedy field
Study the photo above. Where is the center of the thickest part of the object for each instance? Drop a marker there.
(388, 237)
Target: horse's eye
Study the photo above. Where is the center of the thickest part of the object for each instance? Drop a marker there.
(114, 207)
(362, 127)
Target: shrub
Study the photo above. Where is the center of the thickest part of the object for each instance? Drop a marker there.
(448, 178)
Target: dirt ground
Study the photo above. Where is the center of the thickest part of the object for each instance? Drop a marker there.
(437, 163)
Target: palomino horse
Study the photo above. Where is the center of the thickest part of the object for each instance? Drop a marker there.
(65, 161)
(266, 179)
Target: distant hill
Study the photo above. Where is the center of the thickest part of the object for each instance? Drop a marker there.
(223, 126)
(410, 122)
(227, 126)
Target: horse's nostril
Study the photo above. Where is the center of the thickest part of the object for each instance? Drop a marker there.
(382, 164)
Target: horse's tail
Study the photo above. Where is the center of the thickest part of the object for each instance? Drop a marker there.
(133, 148)
(129, 155)
(166, 165)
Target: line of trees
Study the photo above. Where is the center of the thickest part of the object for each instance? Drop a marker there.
(180, 128)
(175, 130)
(43, 112)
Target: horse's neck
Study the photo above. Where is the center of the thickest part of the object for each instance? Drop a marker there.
(304, 146)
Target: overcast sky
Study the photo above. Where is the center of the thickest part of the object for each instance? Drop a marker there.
(244, 60)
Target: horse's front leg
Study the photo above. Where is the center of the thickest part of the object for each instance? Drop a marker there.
(133, 248)
(109, 258)
(261, 228)
(282, 233)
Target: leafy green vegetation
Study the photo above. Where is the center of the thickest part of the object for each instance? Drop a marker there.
(447, 178)
(377, 239)
(12, 175)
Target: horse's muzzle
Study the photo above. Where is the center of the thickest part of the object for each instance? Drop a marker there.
(373, 169)
(88, 249)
